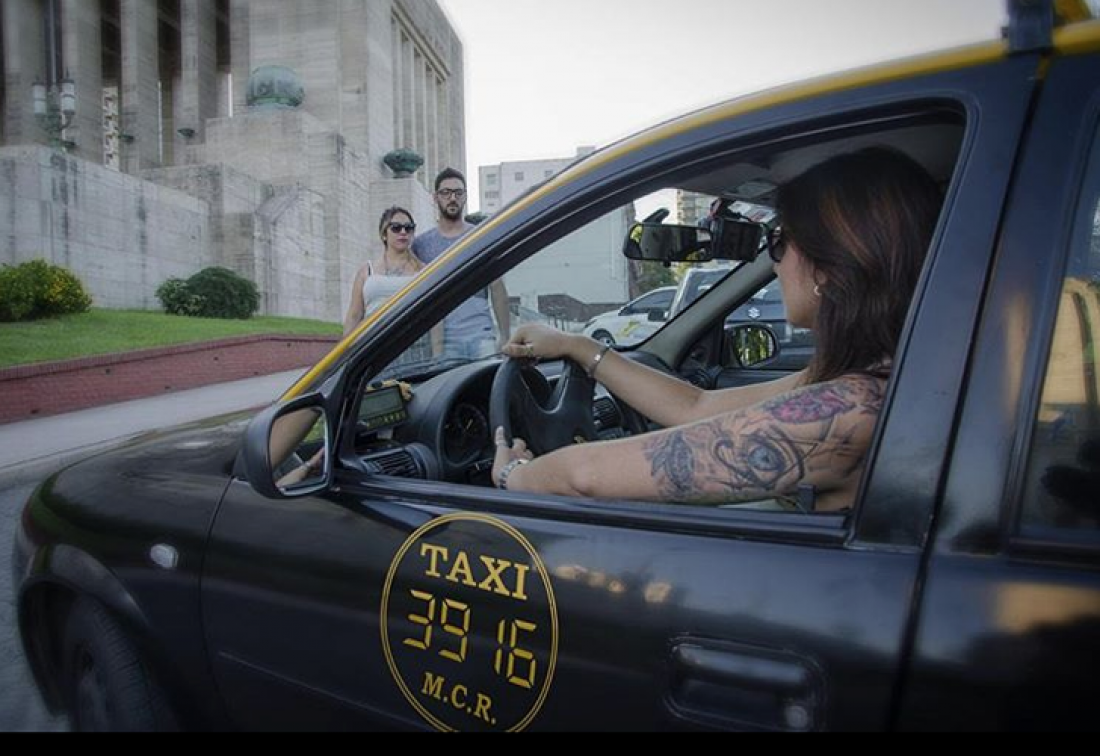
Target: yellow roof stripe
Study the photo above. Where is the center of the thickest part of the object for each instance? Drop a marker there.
(1078, 39)
(1073, 11)
(951, 60)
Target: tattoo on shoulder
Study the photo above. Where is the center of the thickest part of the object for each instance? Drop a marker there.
(826, 401)
(771, 449)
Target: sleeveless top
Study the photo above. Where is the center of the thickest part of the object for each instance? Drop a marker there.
(379, 289)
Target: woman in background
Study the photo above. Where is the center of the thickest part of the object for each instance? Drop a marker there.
(377, 283)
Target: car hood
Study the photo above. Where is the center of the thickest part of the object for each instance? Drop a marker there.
(164, 485)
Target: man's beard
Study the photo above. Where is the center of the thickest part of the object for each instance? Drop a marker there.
(451, 212)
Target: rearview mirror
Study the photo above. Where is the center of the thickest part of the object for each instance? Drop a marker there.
(739, 240)
(655, 242)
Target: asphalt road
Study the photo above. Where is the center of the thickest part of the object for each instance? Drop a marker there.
(21, 708)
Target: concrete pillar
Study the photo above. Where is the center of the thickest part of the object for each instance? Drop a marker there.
(82, 46)
(355, 68)
(197, 100)
(169, 87)
(454, 96)
(24, 63)
(240, 41)
(140, 85)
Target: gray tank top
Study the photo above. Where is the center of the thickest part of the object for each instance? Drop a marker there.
(380, 289)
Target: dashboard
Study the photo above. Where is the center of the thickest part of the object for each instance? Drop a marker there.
(441, 429)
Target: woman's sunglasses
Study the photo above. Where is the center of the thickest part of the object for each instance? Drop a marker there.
(777, 245)
(407, 228)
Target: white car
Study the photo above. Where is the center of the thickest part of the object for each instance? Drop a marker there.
(634, 323)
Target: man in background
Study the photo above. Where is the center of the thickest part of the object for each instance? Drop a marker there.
(468, 331)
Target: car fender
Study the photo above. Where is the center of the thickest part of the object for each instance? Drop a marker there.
(56, 576)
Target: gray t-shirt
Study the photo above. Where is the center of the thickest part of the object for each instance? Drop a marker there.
(473, 320)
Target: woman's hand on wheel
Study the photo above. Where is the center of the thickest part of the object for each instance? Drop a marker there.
(536, 342)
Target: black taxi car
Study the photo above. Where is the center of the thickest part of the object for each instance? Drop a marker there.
(182, 583)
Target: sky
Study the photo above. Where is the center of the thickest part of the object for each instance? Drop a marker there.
(544, 77)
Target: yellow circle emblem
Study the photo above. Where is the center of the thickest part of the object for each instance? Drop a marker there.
(470, 625)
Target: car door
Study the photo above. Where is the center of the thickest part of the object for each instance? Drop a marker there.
(387, 602)
(1009, 636)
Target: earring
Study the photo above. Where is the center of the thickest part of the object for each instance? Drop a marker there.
(817, 291)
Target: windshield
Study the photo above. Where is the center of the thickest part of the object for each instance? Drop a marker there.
(580, 284)
(697, 283)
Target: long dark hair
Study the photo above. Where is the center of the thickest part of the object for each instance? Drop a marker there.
(865, 222)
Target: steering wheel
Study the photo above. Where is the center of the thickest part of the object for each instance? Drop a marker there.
(557, 419)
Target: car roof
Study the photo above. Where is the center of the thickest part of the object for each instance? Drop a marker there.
(1077, 33)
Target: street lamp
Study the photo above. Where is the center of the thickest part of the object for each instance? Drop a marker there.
(55, 109)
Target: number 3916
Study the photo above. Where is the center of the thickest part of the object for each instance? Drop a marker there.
(510, 661)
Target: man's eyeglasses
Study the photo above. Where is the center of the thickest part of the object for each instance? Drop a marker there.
(399, 228)
(451, 194)
(777, 245)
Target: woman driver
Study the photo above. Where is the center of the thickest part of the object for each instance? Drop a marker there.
(855, 232)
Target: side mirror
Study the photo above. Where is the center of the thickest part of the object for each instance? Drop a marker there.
(288, 450)
(655, 242)
(754, 345)
(658, 316)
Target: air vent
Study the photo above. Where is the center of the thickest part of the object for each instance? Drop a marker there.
(396, 463)
(607, 414)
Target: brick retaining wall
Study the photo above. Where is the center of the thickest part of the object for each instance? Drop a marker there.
(55, 388)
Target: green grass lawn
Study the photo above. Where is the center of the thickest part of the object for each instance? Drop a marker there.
(108, 332)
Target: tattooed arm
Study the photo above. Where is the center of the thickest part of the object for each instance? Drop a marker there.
(817, 436)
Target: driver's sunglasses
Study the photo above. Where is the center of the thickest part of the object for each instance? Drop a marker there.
(398, 228)
(451, 194)
(777, 245)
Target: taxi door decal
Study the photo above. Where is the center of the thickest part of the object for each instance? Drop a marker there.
(470, 625)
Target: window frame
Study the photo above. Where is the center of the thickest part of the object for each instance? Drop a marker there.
(978, 506)
(1040, 539)
(818, 528)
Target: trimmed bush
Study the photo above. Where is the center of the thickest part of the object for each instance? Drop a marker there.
(212, 293)
(16, 295)
(38, 290)
(176, 297)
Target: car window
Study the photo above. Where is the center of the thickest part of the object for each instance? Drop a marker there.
(577, 281)
(582, 283)
(1063, 483)
(658, 299)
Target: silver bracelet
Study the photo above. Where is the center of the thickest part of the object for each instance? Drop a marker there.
(506, 473)
(597, 361)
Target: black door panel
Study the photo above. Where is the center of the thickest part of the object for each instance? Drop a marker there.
(305, 638)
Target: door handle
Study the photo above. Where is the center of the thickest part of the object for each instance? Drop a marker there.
(740, 687)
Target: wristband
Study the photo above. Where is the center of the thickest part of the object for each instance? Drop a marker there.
(597, 361)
